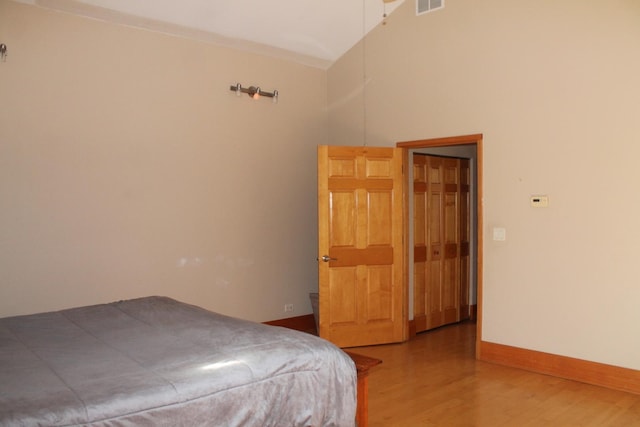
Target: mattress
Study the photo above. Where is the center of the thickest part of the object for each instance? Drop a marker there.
(155, 361)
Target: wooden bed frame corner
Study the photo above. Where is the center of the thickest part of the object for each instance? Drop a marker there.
(363, 364)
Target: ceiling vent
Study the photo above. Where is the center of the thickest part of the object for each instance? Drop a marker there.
(424, 6)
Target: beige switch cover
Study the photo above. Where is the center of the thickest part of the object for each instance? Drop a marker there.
(540, 201)
(499, 234)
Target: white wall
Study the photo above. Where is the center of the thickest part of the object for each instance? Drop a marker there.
(555, 89)
(128, 168)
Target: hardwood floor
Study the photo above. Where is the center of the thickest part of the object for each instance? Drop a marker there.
(435, 380)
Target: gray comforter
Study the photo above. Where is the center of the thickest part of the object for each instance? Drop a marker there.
(158, 362)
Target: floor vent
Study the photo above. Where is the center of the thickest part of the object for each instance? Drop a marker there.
(424, 6)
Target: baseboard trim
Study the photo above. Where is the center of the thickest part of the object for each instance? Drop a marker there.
(609, 376)
(305, 323)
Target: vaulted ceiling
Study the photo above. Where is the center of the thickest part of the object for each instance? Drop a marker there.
(316, 32)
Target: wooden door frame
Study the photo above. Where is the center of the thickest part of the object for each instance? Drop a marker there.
(407, 146)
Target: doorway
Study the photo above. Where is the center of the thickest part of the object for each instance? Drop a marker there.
(469, 147)
(440, 205)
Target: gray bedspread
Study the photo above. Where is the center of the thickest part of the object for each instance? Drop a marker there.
(158, 362)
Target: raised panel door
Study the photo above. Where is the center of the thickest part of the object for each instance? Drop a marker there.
(360, 220)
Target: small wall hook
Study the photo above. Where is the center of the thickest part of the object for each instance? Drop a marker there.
(3, 52)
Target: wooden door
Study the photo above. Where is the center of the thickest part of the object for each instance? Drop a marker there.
(437, 241)
(450, 285)
(465, 239)
(420, 243)
(360, 237)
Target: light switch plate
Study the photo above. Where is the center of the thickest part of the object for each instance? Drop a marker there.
(499, 234)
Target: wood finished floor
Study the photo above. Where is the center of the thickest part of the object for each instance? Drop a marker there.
(435, 380)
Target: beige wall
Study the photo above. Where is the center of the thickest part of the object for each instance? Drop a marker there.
(555, 89)
(128, 168)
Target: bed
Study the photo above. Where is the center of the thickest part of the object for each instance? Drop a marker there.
(155, 361)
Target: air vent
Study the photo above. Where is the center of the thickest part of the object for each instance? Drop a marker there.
(424, 6)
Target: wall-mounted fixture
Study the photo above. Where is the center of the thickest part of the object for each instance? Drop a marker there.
(3, 52)
(254, 92)
(384, 13)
